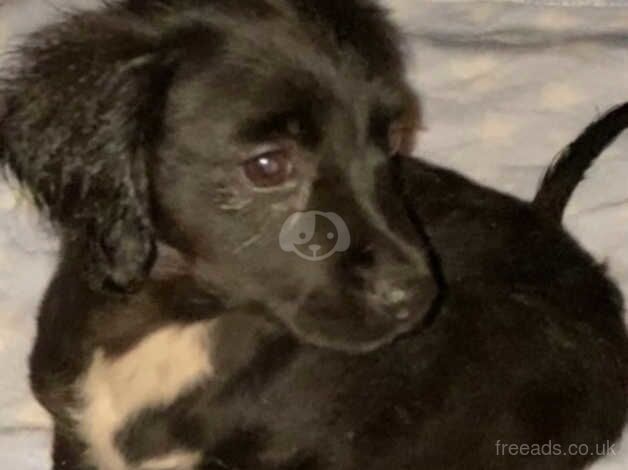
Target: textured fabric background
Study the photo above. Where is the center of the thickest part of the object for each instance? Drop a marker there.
(505, 84)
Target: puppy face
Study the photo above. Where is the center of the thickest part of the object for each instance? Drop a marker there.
(222, 130)
(275, 141)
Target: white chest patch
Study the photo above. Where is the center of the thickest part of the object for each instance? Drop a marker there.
(155, 372)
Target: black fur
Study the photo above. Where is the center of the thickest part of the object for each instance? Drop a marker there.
(528, 348)
(132, 126)
(72, 134)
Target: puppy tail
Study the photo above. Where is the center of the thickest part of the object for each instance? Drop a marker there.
(569, 168)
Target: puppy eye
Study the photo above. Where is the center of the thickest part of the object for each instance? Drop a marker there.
(270, 168)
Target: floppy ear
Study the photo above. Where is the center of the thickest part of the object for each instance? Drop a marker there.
(82, 111)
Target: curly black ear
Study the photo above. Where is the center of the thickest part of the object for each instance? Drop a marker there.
(83, 108)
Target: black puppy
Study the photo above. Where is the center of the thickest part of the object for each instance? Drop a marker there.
(524, 365)
(203, 126)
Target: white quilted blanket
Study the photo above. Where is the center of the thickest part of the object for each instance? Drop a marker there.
(505, 85)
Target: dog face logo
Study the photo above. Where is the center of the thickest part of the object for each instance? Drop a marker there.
(301, 230)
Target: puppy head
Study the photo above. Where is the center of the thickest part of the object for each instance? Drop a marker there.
(255, 142)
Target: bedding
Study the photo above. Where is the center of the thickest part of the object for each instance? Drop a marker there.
(505, 85)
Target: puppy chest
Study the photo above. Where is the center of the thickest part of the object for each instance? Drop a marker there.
(154, 373)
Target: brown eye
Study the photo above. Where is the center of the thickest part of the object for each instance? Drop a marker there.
(269, 169)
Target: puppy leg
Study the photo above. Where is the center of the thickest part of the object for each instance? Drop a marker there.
(67, 453)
